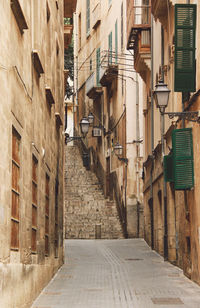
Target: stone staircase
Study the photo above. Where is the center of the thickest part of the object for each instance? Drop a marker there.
(87, 214)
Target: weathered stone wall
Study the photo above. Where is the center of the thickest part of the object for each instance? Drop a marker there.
(87, 213)
(23, 106)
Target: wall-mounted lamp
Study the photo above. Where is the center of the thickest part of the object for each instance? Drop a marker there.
(118, 150)
(84, 125)
(161, 95)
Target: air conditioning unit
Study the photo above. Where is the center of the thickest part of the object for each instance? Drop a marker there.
(96, 132)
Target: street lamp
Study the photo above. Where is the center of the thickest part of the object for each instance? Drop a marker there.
(84, 124)
(118, 150)
(161, 95)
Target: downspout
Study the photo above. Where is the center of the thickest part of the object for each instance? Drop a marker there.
(152, 127)
(165, 240)
(137, 156)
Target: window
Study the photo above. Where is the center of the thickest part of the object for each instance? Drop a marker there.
(88, 17)
(122, 26)
(56, 237)
(47, 215)
(98, 61)
(15, 206)
(116, 41)
(185, 35)
(34, 204)
(79, 30)
(110, 48)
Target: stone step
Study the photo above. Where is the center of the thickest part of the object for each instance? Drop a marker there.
(87, 211)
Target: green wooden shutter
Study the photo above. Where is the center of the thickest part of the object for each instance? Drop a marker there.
(116, 41)
(88, 17)
(183, 158)
(185, 34)
(110, 48)
(168, 168)
(122, 26)
(98, 67)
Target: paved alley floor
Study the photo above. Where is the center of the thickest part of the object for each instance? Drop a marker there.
(117, 274)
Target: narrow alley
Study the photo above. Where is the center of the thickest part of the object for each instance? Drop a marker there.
(117, 273)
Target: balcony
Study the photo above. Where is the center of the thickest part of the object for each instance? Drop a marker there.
(142, 53)
(19, 15)
(160, 9)
(68, 30)
(138, 19)
(96, 16)
(108, 69)
(69, 7)
(93, 90)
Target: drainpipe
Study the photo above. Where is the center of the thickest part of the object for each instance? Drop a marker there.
(137, 156)
(152, 125)
(165, 239)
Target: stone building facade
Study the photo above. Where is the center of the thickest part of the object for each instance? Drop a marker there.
(107, 86)
(31, 168)
(165, 50)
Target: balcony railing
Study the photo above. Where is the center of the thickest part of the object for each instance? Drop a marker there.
(96, 15)
(93, 90)
(109, 68)
(138, 17)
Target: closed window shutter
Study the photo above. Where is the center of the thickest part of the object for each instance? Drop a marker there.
(168, 168)
(116, 41)
(88, 17)
(98, 66)
(183, 158)
(185, 33)
(110, 48)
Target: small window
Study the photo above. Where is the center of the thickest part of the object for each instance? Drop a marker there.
(48, 13)
(79, 30)
(15, 206)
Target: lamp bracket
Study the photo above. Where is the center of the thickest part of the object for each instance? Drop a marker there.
(125, 160)
(193, 116)
(69, 139)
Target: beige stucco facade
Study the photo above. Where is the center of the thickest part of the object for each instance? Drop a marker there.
(177, 219)
(32, 143)
(110, 94)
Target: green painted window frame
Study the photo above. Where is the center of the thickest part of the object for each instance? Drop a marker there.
(110, 48)
(98, 64)
(185, 47)
(87, 17)
(116, 41)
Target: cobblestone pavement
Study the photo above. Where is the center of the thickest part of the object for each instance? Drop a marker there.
(117, 274)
